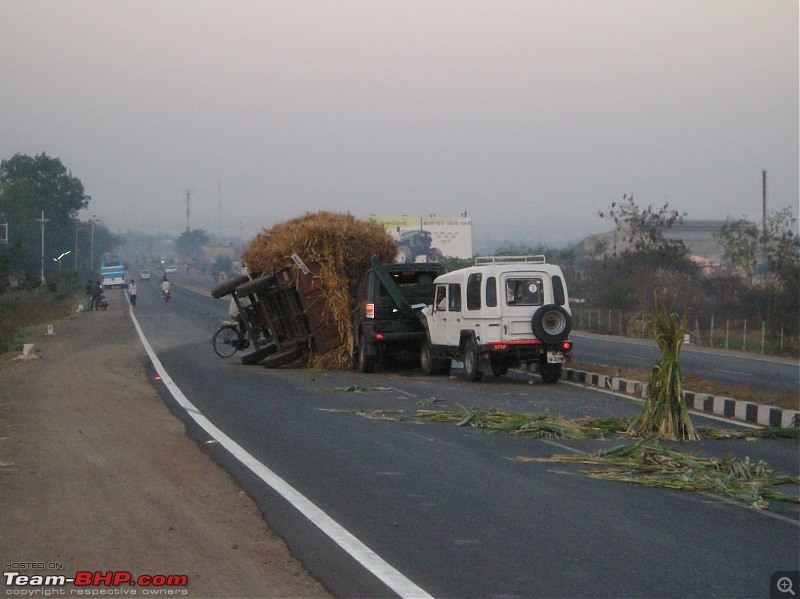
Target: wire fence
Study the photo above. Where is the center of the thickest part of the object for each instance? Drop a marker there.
(775, 339)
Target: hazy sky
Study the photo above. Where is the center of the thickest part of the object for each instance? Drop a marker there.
(531, 116)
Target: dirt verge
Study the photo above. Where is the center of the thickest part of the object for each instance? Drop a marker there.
(97, 475)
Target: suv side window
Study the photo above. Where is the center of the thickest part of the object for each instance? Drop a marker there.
(441, 298)
(491, 292)
(559, 297)
(455, 297)
(474, 291)
(524, 291)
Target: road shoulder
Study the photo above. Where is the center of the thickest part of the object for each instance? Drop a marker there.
(97, 475)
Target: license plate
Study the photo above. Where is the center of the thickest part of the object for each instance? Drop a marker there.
(555, 357)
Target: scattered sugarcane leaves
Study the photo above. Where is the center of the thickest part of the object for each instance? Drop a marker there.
(355, 389)
(770, 432)
(650, 464)
(395, 415)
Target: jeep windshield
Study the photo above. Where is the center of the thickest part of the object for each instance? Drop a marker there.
(524, 291)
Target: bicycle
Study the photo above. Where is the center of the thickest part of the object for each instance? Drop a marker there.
(228, 339)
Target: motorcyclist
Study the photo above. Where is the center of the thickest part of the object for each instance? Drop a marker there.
(165, 286)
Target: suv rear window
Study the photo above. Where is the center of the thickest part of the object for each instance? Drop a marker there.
(417, 286)
(524, 291)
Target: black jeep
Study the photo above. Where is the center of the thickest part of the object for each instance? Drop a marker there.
(386, 320)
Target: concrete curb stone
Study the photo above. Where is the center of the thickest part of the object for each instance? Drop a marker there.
(701, 402)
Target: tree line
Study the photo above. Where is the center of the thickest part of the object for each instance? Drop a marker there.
(40, 206)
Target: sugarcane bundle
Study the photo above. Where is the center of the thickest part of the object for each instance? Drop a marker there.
(665, 414)
(341, 247)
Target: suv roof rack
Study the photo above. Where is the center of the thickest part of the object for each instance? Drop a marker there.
(536, 259)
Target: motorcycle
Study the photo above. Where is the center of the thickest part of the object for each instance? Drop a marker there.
(165, 294)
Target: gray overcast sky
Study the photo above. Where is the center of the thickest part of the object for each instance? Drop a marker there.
(529, 115)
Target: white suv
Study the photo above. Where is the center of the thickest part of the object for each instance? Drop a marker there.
(500, 313)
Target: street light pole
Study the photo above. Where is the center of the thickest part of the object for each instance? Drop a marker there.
(58, 260)
(43, 220)
(75, 255)
(91, 257)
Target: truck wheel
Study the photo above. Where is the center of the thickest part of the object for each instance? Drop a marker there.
(550, 373)
(256, 286)
(283, 358)
(228, 286)
(471, 369)
(551, 324)
(258, 355)
(366, 362)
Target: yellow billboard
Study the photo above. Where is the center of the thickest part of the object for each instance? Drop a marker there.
(425, 238)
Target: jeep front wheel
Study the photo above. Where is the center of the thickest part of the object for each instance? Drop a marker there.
(472, 370)
(430, 365)
(551, 324)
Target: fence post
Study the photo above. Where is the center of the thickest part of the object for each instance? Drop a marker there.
(711, 333)
(744, 336)
(727, 331)
(697, 331)
(781, 338)
(763, 334)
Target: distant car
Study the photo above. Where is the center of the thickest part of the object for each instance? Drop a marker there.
(171, 269)
(144, 275)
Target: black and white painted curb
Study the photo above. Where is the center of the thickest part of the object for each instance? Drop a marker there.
(701, 402)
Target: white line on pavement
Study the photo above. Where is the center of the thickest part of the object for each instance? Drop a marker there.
(337, 533)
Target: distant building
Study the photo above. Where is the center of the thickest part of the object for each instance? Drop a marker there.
(699, 237)
(212, 252)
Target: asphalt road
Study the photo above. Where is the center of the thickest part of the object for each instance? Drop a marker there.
(449, 508)
(732, 368)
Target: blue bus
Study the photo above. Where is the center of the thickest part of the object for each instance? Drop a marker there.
(112, 273)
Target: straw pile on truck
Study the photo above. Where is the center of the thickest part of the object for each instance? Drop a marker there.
(338, 248)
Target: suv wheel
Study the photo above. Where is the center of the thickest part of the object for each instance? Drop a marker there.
(550, 373)
(429, 364)
(499, 366)
(551, 324)
(366, 363)
(471, 369)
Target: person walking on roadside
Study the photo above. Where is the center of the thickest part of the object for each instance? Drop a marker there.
(132, 291)
(88, 305)
(97, 291)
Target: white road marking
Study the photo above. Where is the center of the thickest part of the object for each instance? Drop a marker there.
(732, 372)
(381, 569)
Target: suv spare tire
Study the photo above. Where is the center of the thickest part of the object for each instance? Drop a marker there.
(228, 286)
(551, 324)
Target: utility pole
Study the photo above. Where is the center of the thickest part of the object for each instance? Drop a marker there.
(75, 257)
(91, 255)
(43, 220)
(219, 207)
(764, 214)
(188, 212)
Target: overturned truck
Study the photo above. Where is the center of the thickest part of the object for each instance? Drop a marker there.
(286, 317)
(283, 314)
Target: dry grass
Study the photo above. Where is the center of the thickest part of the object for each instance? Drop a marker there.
(341, 246)
(22, 309)
(696, 384)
